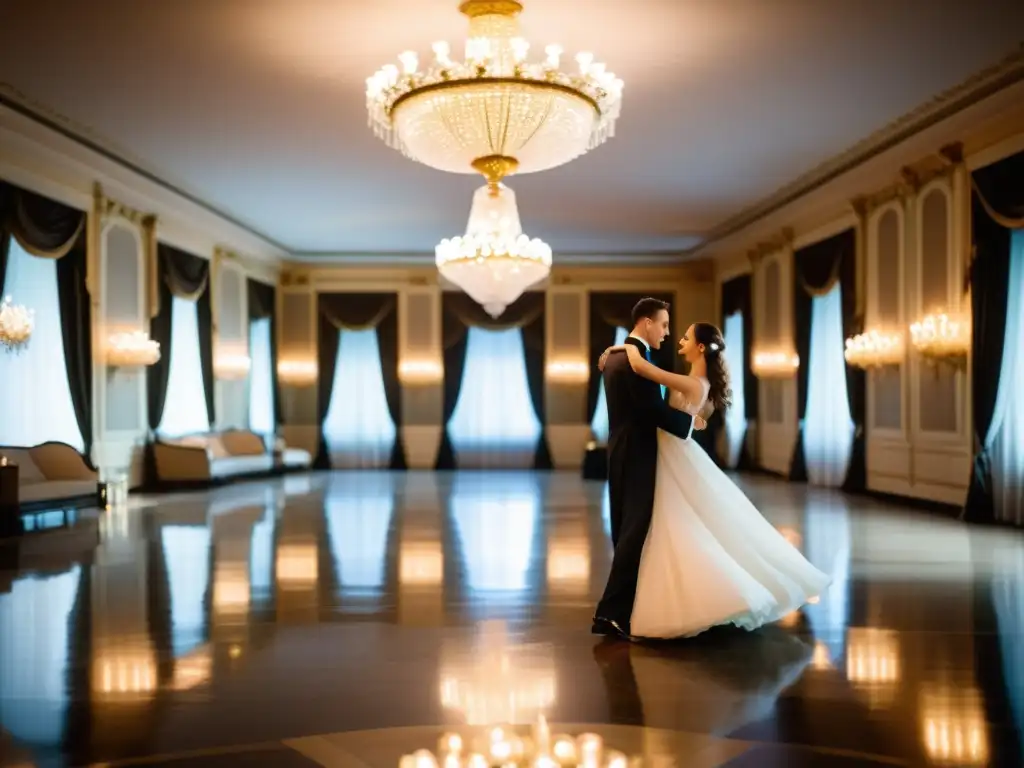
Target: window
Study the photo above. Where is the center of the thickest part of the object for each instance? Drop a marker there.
(494, 424)
(35, 622)
(261, 377)
(187, 560)
(828, 427)
(488, 509)
(185, 406)
(358, 509)
(1008, 448)
(36, 404)
(358, 428)
(599, 426)
(735, 419)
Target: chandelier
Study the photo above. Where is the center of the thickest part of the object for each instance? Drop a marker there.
(460, 116)
(942, 338)
(874, 349)
(494, 262)
(16, 324)
(132, 349)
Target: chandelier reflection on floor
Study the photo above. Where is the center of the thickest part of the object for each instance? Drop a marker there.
(497, 681)
(494, 262)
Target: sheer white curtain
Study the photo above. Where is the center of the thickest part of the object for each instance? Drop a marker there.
(828, 426)
(36, 403)
(187, 559)
(599, 426)
(1008, 448)
(261, 397)
(34, 652)
(735, 420)
(494, 424)
(185, 407)
(358, 428)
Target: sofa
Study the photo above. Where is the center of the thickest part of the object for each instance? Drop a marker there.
(218, 457)
(52, 476)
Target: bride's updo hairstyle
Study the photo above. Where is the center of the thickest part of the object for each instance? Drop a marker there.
(720, 393)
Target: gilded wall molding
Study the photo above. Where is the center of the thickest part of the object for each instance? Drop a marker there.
(105, 208)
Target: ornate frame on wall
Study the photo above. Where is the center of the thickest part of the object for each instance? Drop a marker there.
(118, 446)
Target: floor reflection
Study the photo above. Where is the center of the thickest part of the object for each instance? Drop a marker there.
(355, 601)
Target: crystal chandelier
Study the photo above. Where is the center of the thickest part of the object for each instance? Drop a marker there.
(494, 262)
(942, 337)
(874, 349)
(494, 105)
(132, 349)
(16, 324)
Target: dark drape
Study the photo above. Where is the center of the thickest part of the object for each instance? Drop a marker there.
(611, 310)
(5, 248)
(358, 311)
(263, 305)
(459, 314)
(1002, 186)
(533, 346)
(76, 332)
(158, 374)
(737, 296)
(816, 269)
(186, 276)
(48, 229)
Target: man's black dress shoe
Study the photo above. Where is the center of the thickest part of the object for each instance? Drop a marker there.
(602, 626)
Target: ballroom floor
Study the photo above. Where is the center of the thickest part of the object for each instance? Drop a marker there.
(343, 620)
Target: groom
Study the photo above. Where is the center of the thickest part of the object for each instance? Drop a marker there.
(636, 410)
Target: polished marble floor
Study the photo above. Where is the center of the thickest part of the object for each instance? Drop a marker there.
(346, 619)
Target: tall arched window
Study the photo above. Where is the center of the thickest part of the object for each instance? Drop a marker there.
(828, 427)
(36, 404)
(735, 417)
(599, 426)
(185, 407)
(358, 429)
(261, 397)
(494, 423)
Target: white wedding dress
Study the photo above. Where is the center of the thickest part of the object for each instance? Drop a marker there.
(710, 558)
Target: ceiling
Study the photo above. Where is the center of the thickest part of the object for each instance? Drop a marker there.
(256, 107)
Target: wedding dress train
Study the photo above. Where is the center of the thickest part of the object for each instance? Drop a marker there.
(710, 557)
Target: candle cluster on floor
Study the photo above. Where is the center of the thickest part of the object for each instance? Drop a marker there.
(501, 746)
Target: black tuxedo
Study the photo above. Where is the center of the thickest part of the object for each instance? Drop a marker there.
(636, 410)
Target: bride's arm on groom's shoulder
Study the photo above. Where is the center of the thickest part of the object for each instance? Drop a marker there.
(689, 387)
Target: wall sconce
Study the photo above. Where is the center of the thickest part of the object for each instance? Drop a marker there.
(942, 338)
(874, 349)
(232, 363)
(775, 364)
(422, 371)
(16, 324)
(297, 372)
(568, 371)
(131, 349)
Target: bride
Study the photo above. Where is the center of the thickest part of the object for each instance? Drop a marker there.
(710, 558)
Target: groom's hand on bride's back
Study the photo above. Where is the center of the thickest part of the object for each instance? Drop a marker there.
(699, 423)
